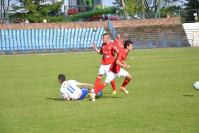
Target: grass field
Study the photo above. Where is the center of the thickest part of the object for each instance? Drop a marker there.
(161, 99)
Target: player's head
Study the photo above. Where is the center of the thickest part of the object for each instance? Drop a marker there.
(61, 78)
(118, 36)
(128, 45)
(106, 38)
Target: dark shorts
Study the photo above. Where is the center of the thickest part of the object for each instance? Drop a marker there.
(84, 93)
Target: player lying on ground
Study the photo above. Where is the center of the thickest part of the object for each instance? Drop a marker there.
(116, 70)
(70, 89)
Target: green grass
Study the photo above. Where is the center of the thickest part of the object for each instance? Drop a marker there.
(161, 99)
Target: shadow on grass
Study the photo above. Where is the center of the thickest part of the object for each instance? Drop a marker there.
(97, 97)
(55, 99)
(108, 96)
(188, 95)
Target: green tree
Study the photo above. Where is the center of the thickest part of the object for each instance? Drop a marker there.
(38, 12)
(4, 6)
(192, 4)
(130, 6)
(125, 7)
(119, 7)
(192, 7)
(147, 8)
(170, 11)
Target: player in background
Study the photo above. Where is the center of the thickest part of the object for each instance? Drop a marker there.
(108, 52)
(119, 42)
(117, 70)
(70, 89)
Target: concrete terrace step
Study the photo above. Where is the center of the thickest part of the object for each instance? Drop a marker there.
(156, 36)
(192, 33)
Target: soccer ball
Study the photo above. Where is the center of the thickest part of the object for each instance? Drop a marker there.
(99, 93)
(196, 85)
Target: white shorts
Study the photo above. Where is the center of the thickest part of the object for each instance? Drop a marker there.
(111, 76)
(104, 69)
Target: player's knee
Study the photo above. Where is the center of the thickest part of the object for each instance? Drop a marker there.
(99, 77)
(129, 77)
(105, 84)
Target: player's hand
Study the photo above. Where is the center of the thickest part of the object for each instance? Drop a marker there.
(128, 66)
(94, 45)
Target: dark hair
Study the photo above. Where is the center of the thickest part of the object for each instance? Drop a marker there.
(127, 43)
(61, 77)
(106, 34)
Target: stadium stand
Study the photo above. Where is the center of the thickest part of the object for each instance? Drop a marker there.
(156, 36)
(38, 40)
(60, 37)
(192, 32)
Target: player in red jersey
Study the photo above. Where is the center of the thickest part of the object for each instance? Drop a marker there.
(119, 42)
(107, 51)
(116, 70)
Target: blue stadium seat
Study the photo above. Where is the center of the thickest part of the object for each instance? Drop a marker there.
(41, 39)
(14, 36)
(33, 38)
(29, 39)
(1, 41)
(3, 35)
(26, 39)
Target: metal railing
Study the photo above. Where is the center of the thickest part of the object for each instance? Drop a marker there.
(112, 29)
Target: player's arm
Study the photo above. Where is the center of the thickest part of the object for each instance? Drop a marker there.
(95, 48)
(115, 48)
(86, 85)
(66, 97)
(122, 64)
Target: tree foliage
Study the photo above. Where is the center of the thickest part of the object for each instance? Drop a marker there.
(192, 7)
(38, 12)
(148, 8)
(4, 6)
(192, 4)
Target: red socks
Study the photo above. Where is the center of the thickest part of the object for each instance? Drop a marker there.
(97, 85)
(99, 88)
(113, 85)
(97, 82)
(125, 82)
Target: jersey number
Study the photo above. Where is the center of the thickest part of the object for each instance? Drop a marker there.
(71, 89)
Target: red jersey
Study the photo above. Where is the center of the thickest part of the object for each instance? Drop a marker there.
(115, 68)
(108, 52)
(119, 43)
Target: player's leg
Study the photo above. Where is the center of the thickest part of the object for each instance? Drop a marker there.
(127, 79)
(84, 93)
(113, 85)
(97, 81)
(110, 77)
(97, 90)
(101, 72)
